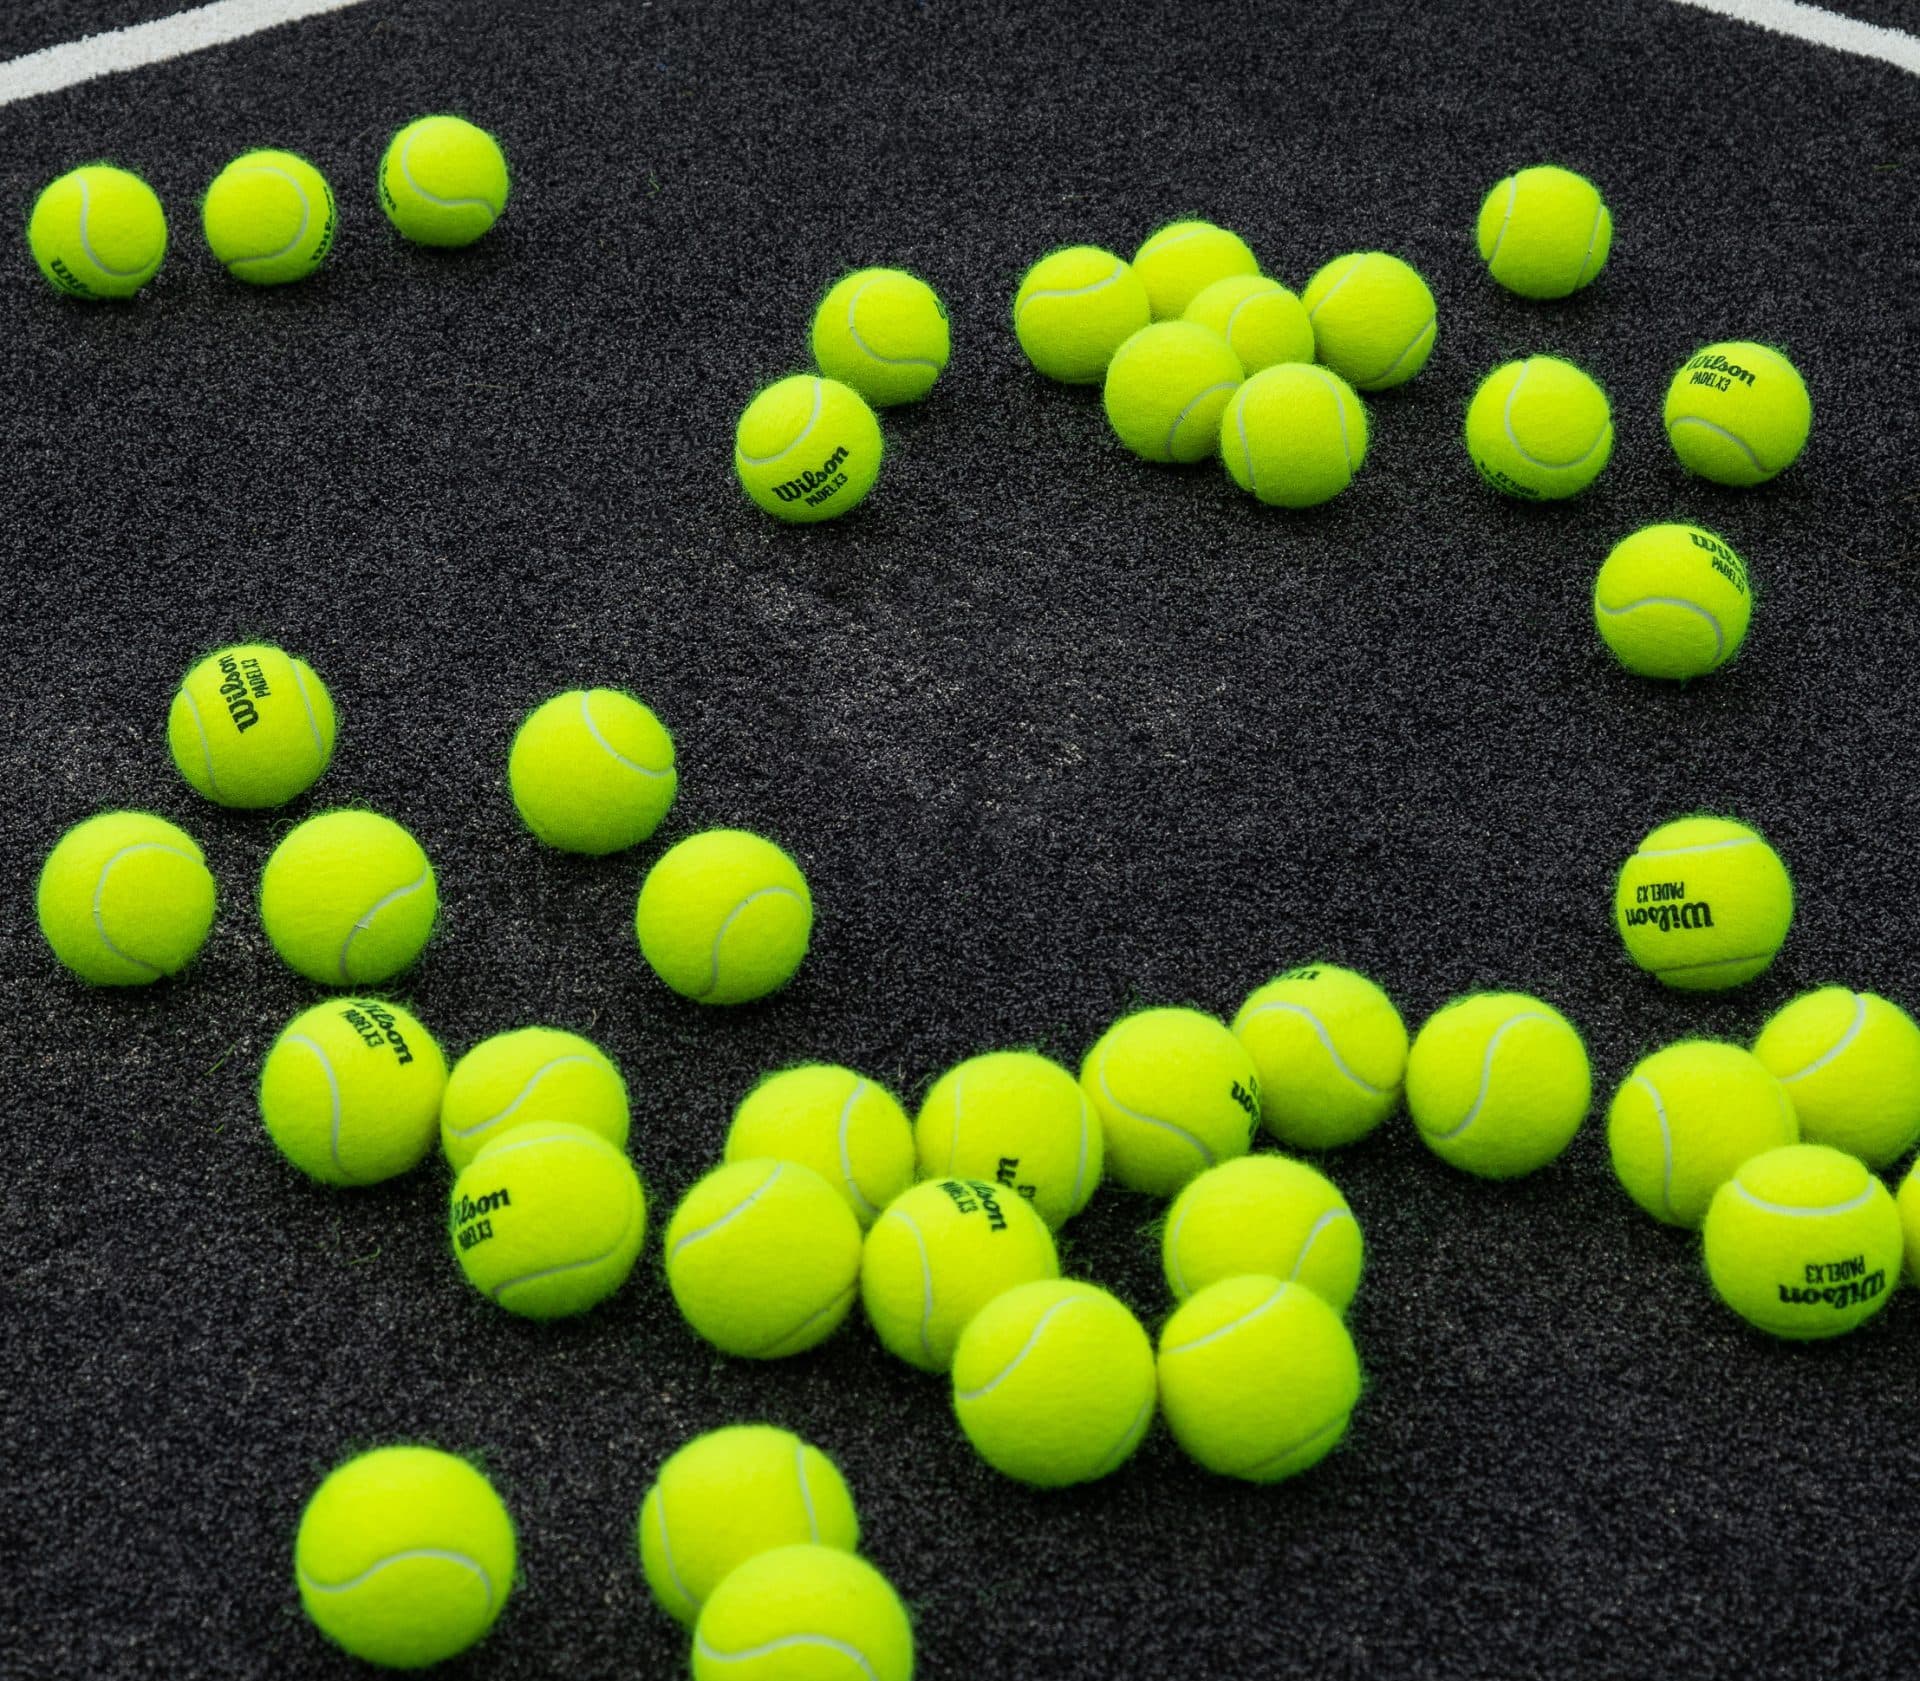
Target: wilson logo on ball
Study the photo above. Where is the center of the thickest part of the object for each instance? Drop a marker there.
(378, 1026)
(1711, 368)
(470, 1225)
(1682, 918)
(1836, 1284)
(811, 487)
(242, 682)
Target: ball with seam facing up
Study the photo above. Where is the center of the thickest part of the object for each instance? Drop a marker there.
(98, 232)
(1293, 436)
(1263, 323)
(251, 726)
(1374, 320)
(807, 449)
(1738, 413)
(1544, 232)
(1703, 904)
(1540, 429)
(885, 333)
(443, 181)
(1850, 1061)
(530, 1074)
(348, 898)
(1166, 389)
(1263, 1214)
(269, 218)
(125, 898)
(1074, 309)
(592, 771)
(847, 1128)
(1178, 262)
(1672, 601)
(724, 917)
(1331, 1053)
(1019, 1119)
(803, 1614)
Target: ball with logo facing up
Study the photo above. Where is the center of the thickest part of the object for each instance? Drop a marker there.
(251, 726)
(807, 449)
(1738, 413)
(1703, 904)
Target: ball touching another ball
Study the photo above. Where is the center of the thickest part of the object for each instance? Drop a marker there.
(1672, 601)
(125, 899)
(530, 1074)
(1703, 904)
(807, 449)
(251, 726)
(1544, 232)
(348, 898)
(1540, 430)
(1019, 1119)
(814, 1612)
(443, 181)
(98, 232)
(1166, 389)
(1331, 1053)
(1263, 323)
(1181, 260)
(1263, 1214)
(848, 1129)
(1293, 436)
(1074, 309)
(1850, 1061)
(883, 332)
(1374, 320)
(269, 218)
(724, 917)
(592, 771)
(1738, 413)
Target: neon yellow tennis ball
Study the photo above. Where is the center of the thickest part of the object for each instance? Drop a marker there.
(548, 1219)
(251, 726)
(1703, 904)
(125, 898)
(1672, 601)
(1019, 1119)
(1498, 1083)
(1294, 435)
(351, 1091)
(1851, 1063)
(1262, 322)
(530, 1074)
(1053, 1383)
(443, 181)
(1373, 319)
(405, 1557)
(850, 1130)
(1183, 259)
(1539, 430)
(1908, 1203)
(884, 332)
(1175, 1093)
(1544, 232)
(268, 218)
(1686, 1118)
(729, 1495)
(763, 1257)
(348, 898)
(807, 449)
(803, 1614)
(938, 1254)
(1166, 389)
(1074, 309)
(592, 771)
(1738, 413)
(1263, 1214)
(98, 232)
(1331, 1053)
(1257, 1378)
(1803, 1242)
(724, 917)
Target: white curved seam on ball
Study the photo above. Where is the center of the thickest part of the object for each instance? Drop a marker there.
(100, 888)
(1506, 221)
(1246, 443)
(1666, 1140)
(1129, 1441)
(1332, 1216)
(1604, 435)
(1733, 438)
(1193, 1142)
(313, 718)
(373, 910)
(1078, 1199)
(445, 1555)
(1176, 1274)
(926, 1291)
(786, 1642)
(1326, 1042)
(1713, 624)
(795, 1333)
(1332, 1427)
(1232, 1325)
(799, 438)
(1334, 290)
(731, 1214)
(846, 1156)
(86, 240)
(1713, 963)
(1427, 329)
(1105, 280)
(1340, 413)
(1593, 242)
(1160, 243)
(206, 746)
(1486, 1070)
(635, 1208)
(612, 752)
(806, 1491)
(1233, 315)
(333, 1088)
(306, 220)
(1845, 1042)
(1725, 845)
(1764, 1206)
(472, 203)
(666, 1549)
(726, 927)
(1033, 1337)
(1199, 397)
(853, 331)
(525, 1092)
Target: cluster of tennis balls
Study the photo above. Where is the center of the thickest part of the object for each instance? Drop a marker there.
(99, 232)
(808, 447)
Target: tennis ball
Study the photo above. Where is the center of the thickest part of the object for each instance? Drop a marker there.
(1257, 1378)
(938, 1254)
(125, 898)
(1672, 601)
(1738, 413)
(803, 1614)
(1850, 1061)
(1331, 1053)
(729, 1495)
(1175, 1093)
(98, 232)
(348, 898)
(530, 1074)
(1686, 1118)
(1020, 1120)
(807, 449)
(251, 726)
(724, 917)
(1908, 1203)
(351, 1090)
(1498, 1083)
(1262, 322)
(1263, 1214)
(884, 332)
(763, 1257)
(1074, 309)
(1373, 319)
(1703, 904)
(1166, 389)
(1803, 1242)
(1053, 1383)
(404, 1557)
(850, 1130)
(1543, 232)
(592, 771)
(1293, 435)
(1183, 259)
(547, 1219)
(443, 181)
(1539, 430)
(269, 218)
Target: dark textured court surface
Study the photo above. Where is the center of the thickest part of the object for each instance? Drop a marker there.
(1053, 732)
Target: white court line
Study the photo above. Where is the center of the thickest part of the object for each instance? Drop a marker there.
(141, 44)
(1825, 29)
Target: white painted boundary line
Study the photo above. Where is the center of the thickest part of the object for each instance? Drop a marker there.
(1825, 29)
(141, 44)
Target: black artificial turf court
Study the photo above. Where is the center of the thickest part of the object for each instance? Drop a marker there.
(1053, 733)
